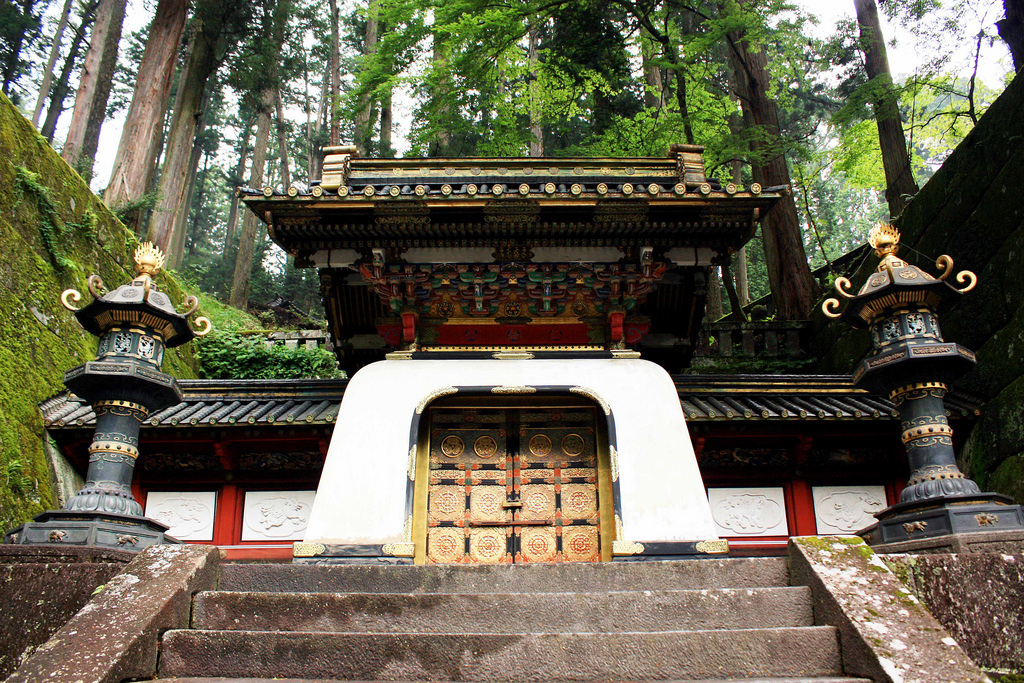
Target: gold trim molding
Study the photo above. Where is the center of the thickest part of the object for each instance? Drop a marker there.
(433, 396)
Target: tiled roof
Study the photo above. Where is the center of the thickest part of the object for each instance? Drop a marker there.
(222, 403)
(704, 398)
(707, 398)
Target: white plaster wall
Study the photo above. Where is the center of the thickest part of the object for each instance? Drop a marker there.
(362, 490)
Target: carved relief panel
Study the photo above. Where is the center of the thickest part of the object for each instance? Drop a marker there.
(511, 485)
(749, 511)
(846, 509)
(189, 514)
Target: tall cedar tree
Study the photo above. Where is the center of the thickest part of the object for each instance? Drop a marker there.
(1011, 30)
(899, 178)
(94, 87)
(793, 288)
(140, 138)
(51, 61)
(59, 92)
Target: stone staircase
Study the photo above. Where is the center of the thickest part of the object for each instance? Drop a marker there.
(730, 619)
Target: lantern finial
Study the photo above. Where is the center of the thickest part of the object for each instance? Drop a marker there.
(884, 239)
(148, 259)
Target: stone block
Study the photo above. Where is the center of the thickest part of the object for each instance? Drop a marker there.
(978, 597)
(115, 637)
(886, 634)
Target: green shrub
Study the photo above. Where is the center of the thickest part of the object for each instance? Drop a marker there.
(226, 355)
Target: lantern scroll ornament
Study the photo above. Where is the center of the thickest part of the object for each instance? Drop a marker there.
(913, 365)
(135, 324)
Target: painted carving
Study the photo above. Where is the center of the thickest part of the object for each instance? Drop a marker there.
(538, 544)
(446, 545)
(540, 445)
(489, 546)
(276, 515)
(485, 503)
(749, 512)
(189, 514)
(580, 544)
(485, 446)
(122, 342)
(846, 510)
(538, 501)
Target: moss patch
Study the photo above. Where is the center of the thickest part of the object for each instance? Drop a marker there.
(54, 233)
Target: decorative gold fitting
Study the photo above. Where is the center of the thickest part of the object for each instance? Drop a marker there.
(923, 432)
(576, 189)
(268, 191)
(301, 549)
(945, 262)
(206, 326)
(514, 390)
(193, 304)
(716, 547)
(844, 287)
(830, 307)
(343, 191)
(130, 405)
(654, 189)
(550, 188)
(602, 188)
(472, 189)
(72, 294)
(293, 191)
(95, 284)
(497, 189)
(317, 191)
(399, 549)
(680, 189)
(369, 191)
(970, 278)
(420, 190)
(627, 188)
(755, 188)
(524, 189)
(705, 189)
(627, 548)
(446, 190)
(394, 190)
(914, 387)
(730, 188)
(113, 447)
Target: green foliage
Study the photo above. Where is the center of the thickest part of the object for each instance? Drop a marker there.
(227, 355)
(53, 231)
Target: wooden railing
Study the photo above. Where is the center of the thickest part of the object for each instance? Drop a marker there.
(781, 340)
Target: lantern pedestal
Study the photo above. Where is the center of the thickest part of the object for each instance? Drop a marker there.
(899, 305)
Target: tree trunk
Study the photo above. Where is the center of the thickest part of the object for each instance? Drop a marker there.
(736, 312)
(55, 107)
(793, 288)
(714, 308)
(742, 277)
(441, 106)
(1011, 30)
(387, 124)
(282, 140)
(364, 114)
(193, 233)
(247, 240)
(655, 90)
(94, 87)
(177, 247)
(137, 151)
(335, 74)
(237, 179)
(899, 177)
(199, 64)
(44, 87)
(536, 130)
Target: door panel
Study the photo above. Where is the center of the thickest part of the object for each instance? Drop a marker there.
(513, 485)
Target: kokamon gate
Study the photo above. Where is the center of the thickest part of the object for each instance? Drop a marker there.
(515, 484)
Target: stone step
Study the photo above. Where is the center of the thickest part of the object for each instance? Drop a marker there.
(526, 578)
(803, 651)
(816, 679)
(606, 612)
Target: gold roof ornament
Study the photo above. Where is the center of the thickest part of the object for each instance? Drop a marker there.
(884, 238)
(148, 259)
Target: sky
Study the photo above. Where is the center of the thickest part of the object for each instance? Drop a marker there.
(906, 55)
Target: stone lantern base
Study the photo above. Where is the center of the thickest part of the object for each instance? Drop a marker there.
(941, 521)
(97, 529)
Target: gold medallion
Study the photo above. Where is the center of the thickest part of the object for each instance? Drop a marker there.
(572, 444)
(485, 446)
(452, 446)
(540, 445)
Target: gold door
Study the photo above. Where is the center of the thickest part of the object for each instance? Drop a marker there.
(513, 485)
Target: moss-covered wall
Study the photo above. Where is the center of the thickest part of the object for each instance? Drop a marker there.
(973, 210)
(54, 233)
